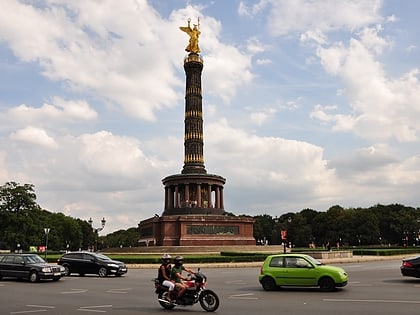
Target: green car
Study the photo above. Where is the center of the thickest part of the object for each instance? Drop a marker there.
(300, 270)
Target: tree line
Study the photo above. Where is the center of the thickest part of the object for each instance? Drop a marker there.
(382, 225)
(23, 223)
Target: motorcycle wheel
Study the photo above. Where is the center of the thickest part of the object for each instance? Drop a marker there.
(161, 299)
(209, 301)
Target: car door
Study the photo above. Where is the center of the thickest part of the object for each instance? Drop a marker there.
(19, 266)
(299, 272)
(90, 263)
(7, 266)
(278, 270)
(75, 262)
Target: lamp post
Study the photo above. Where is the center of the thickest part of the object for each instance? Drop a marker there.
(97, 230)
(46, 231)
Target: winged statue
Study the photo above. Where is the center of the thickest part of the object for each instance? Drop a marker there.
(194, 33)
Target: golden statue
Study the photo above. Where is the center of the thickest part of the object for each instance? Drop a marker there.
(194, 33)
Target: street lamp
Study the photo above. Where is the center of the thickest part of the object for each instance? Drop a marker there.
(46, 231)
(97, 230)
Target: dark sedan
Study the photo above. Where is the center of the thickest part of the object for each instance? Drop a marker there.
(28, 266)
(411, 267)
(91, 263)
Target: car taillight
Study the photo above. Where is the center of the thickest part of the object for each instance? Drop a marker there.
(407, 264)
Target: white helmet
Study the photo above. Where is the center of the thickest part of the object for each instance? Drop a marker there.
(166, 258)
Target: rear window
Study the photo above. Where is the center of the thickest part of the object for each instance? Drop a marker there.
(73, 256)
(276, 262)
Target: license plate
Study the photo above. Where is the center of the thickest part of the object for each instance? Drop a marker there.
(57, 274)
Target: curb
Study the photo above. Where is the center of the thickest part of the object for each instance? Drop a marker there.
(354, 259)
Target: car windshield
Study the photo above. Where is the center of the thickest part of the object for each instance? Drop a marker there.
(313, 260)
(34, 259)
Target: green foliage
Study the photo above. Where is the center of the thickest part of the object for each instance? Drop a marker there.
(22, 222)
(378, 225)
(126, 238)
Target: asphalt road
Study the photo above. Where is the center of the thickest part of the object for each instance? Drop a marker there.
(374, 288)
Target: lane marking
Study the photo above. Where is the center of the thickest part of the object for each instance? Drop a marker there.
(94, 308)
(25, 312)
(120, 291)
(74, 291)
(246, 296)
(42, 308)
(235, 282)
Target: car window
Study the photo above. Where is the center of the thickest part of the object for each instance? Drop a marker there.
(313, 260)
(276, 262)
(18, 260)
(34, 259)
(291, 262)
(88, 257)
(302, 263)
(103, 257)
(8, 259)
(74, 256)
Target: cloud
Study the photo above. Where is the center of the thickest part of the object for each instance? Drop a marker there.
(60, 109)
(34, 135)
(113, 51)
(287, 17)
(383, 107)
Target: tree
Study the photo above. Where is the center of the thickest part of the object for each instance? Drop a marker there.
(17, 204)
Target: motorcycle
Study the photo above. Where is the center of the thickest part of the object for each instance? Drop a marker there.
(196, 292)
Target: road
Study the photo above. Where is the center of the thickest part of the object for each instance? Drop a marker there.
(374, 288)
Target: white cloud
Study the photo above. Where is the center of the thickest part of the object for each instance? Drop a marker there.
(34, 135)
(110, 155)
(113, 51)
(60, 110)
(323, 16)
(383, 107)
(261, 117)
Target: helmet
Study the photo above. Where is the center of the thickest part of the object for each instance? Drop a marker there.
(166, 258)
(179, 260)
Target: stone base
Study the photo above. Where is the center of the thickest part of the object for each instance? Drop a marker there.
(198, 230)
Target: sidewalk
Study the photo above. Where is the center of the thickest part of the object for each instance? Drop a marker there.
(332, 261)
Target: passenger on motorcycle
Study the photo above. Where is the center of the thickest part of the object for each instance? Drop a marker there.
(176, 275)
(164, 275)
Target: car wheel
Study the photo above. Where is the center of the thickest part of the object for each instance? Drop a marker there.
(102, 272)
(34, 277)
(66, 270)
(268, 284)
(327, 284)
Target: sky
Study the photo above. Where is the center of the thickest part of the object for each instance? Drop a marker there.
(306, 103)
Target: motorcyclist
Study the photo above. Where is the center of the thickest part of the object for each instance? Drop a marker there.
(164, 276)
(176, 275)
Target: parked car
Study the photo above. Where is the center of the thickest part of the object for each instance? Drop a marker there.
(411, 267)
(84, 263)
(28, 266)
(300, 270)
